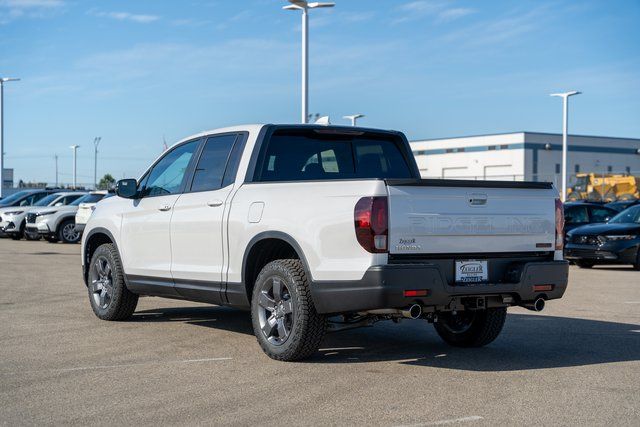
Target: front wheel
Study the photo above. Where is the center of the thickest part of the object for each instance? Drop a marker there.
(67, 232)
(471, 328)
(108, 294)
(285, 321)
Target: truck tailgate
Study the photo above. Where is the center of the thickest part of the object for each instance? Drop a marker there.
(446, 216)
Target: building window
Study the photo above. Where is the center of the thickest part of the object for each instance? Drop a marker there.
(461, 150)
(492, 147)
(504, 146)
(449, 150)
(557, 167)
(577, 169)
(609, 168)
(628, 169)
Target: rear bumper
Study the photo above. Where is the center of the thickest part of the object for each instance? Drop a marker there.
(383, 287)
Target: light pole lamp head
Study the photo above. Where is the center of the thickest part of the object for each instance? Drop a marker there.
(304, 5)
(566, 94)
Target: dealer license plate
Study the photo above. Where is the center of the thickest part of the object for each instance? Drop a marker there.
(471, 271)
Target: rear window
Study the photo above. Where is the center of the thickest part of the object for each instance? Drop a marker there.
(306, 154)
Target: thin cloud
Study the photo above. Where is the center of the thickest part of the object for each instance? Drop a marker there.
(126, 16)
(14, 9)
(440, 10)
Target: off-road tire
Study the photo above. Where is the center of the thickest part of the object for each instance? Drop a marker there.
(485, 327)
(123, 302)
(60, 234)
(307, 327)
(585, 264)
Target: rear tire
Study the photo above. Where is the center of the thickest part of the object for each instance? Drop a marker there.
(471, 328)
(585, 264)
(636, 266)
(67, 231)
(108, 294)
(285, 321)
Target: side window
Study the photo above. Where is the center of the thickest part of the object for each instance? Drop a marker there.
(167, 175)
(576, 215)
(211, 166)
(69, 199)
(601, 215)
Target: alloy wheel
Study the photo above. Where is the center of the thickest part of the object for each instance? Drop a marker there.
(275, 311)
(102, 283)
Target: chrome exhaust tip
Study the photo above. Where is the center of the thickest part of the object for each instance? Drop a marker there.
(413, 312)
(537, 305)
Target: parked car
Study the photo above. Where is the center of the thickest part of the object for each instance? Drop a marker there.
(621, 205)
(87, 206)
(56, 224)
(616, 242)
(306, 224)
(14, 220)
(579, 214)
(21, 199)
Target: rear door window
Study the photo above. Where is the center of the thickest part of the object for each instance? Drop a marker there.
(210, 171)
(303, 154)
(576, 215)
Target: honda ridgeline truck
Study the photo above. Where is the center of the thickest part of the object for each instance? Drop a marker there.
(323, 228)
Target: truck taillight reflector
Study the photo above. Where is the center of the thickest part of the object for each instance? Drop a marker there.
(416, 293)
(542, 288)
(559, 225)
(371, 217)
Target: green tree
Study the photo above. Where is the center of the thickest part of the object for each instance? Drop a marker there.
(106, 182)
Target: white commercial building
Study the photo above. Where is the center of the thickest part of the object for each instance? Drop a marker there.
(528, 156)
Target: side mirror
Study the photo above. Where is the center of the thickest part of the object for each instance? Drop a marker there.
(127, 188)
(58, 204)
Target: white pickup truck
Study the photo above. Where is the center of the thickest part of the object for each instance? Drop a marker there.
(323, 228)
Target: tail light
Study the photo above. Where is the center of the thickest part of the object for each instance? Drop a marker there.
(559, 225)
(372, 223)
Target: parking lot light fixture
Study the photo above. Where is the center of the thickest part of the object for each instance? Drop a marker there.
(3, 80)
(305, 6)
(565, 126)
(354, 118)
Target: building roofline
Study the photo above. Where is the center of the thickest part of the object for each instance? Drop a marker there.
(525, 133)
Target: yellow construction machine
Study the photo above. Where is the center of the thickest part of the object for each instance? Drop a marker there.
(604, 187)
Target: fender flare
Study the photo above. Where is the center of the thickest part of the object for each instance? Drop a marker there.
(274, 235)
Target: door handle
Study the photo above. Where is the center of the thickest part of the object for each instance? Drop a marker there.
(164, 208)
(215, 203)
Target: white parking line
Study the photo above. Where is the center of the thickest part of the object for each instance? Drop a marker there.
(449, 422)
(128, 365)
(632, 302)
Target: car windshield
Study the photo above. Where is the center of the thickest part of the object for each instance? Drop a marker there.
(8, 201)
(87, 198)
(47, 200)
(629, 216)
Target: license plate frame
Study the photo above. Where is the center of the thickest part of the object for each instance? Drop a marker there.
(471, 271)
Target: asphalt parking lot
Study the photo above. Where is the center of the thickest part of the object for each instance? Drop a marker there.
(177, 362)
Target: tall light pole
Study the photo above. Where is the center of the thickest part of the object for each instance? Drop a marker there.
(96, 142)
(304, 6)
(56, 158)
(3, 80)
(353, 118)
(565, 127)
(75, 164)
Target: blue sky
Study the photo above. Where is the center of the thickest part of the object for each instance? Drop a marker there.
(137, 71)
